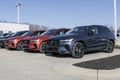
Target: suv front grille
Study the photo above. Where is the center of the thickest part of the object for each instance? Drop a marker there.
(53, 43)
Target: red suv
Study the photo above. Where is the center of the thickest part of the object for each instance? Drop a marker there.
(16, 42)
(38, 43)
(19, 33)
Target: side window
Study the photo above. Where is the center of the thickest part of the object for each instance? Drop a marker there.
(22, 33)
(60, 32)
(66, 31)
(93, 30)
(35, 34)
(39, 33)
(106, 30)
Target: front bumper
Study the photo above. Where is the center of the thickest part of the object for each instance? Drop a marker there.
(60, 48)
(27, 45)
(57, 49)
(11, 45)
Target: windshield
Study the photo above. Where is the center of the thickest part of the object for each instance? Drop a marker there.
(18, 34)
(49, 32)
(9, 34)
(27, 33)
(76, 30)
(3, 35)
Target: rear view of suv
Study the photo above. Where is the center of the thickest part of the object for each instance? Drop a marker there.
(38, 43)
(82, 39)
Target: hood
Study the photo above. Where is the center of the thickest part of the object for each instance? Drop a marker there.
(32, 37)
(19, 37)
(65, 36)
(37, 37)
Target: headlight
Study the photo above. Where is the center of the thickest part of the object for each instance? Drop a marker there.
(36, 40)
(12, 40)
(66, 40)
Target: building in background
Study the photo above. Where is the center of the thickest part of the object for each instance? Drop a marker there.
(12, 27)
(6, 27)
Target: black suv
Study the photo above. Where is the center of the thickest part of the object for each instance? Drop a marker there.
(82, 39)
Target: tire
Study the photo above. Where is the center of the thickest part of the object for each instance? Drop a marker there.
(2, 45)
(19, 46)
(109, 47)
(25, 50)
(78, 50)
(42, 47)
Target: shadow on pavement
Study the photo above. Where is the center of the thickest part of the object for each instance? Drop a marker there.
(58, 55)
(101, 64)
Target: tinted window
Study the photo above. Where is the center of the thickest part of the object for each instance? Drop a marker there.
(27, 33)
(93, 29)
(61, 32)
(9, 34)
(66, 30)
(18, 33)
(5, 34)
(38, 33)
(104, 30)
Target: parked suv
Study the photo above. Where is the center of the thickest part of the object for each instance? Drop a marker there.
(19, 33)
(2, 39)
(38, 43)
(16, 42)
(82, 39)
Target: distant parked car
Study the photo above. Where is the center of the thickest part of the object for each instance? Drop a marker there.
(38, 43)
(2, 35)
(3, 38)
(82, 39)
(16, 42)
(19, 33)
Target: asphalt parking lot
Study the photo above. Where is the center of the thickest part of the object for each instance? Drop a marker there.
(17, 65)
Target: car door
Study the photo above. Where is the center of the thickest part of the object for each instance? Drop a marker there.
(104, 35)
(93, 40)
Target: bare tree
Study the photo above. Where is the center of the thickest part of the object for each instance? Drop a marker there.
(37, 27)
(111, 28)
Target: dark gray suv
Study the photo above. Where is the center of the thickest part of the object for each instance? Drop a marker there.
(82, 39)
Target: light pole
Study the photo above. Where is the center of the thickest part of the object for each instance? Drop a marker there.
(18, 12)
(115, 19)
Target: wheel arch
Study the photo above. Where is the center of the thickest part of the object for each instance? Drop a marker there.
(81, 41)
(112, 41)
(18, 43)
